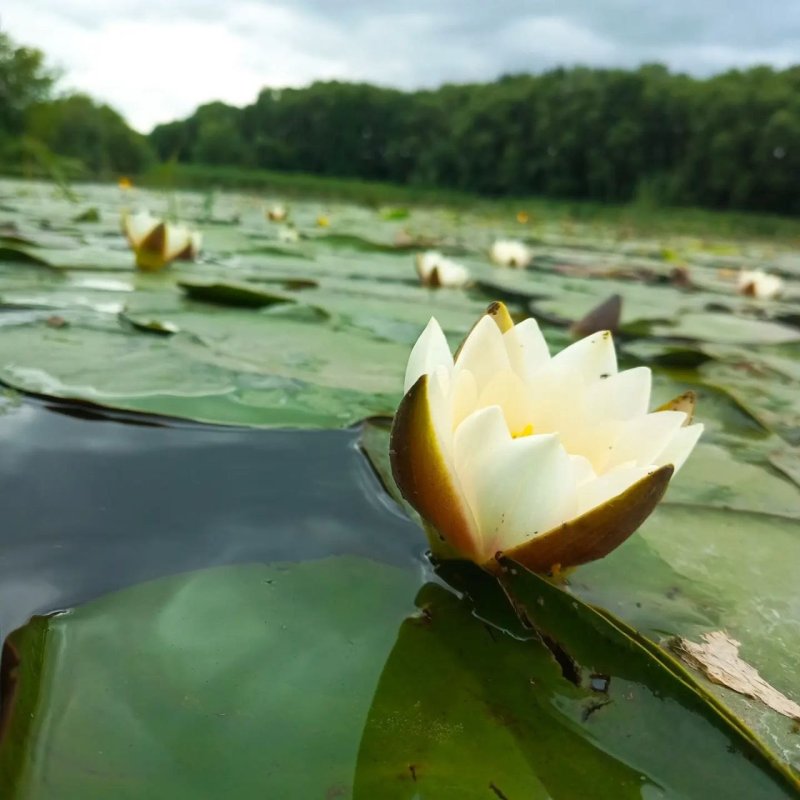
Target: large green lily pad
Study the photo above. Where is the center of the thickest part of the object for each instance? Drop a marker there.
(250, 681)
(286, 680)
(464, 709)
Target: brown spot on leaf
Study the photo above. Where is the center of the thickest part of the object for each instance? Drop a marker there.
(55, 321)
(498, 792)
(717, 657)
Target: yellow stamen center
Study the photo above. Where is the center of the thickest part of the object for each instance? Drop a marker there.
(526, 431)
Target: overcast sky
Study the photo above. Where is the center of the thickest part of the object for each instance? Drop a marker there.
(155, 61)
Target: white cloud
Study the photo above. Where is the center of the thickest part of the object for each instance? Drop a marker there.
(155, 61)
(553, 39)
(155, 71)
(717, 58)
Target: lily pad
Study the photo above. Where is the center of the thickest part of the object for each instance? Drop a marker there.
(692, 570)
(252, 680)
(715, 327)
(492, 713)
(229, 293)
(260, 370)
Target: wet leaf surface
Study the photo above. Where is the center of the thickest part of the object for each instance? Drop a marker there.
(251, 680)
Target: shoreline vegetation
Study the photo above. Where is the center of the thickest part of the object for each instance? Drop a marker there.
(644, 149)
(629, 219)
(636, 217)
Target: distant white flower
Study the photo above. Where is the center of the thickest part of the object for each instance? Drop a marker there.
(157, 243)
(288, 234)
(277, 213)
(435, 270)
(553, 460)
(759, 284)
(510, 253)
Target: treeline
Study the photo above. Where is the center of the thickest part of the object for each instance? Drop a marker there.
(730, 141)
(42, 131)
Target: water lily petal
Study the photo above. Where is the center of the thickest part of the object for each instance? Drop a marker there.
(426, 264)
(594, 441)
(593, 357)
(642, 439)
(610, 484)
(430, 351)
(582, 470)
(510, 253)
(508, 391)
(514, 487)
(452, 274)
(685, 402)
(483, 352)
(621, 396)
(178, 242)
(527, 349)
(150, 252)
(680, 446)
(594, 534)
(138, 226)
(498, 311)
(559, 401)
(435, 270)
(422, 467)
(463, 397)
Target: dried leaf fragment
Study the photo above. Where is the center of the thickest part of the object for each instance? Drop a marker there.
(717, 657)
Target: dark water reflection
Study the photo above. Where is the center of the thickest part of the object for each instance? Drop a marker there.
(90, 505)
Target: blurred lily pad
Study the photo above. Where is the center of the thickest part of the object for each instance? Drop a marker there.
(726, 328)
(229, 293)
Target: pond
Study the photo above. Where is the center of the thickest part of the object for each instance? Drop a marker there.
(209, 587)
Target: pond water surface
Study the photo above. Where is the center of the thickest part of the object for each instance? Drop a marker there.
(96, 501)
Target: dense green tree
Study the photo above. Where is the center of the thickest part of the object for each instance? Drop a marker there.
(24, 80)
(92, 132)
(218, 139)
(34, 126)
(730, 141)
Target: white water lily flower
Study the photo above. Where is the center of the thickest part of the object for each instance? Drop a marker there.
(759, 284)
(552, 460)
(510, 253)
(157, 243)
(288, 235)
(435, 270)
(277, 213)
